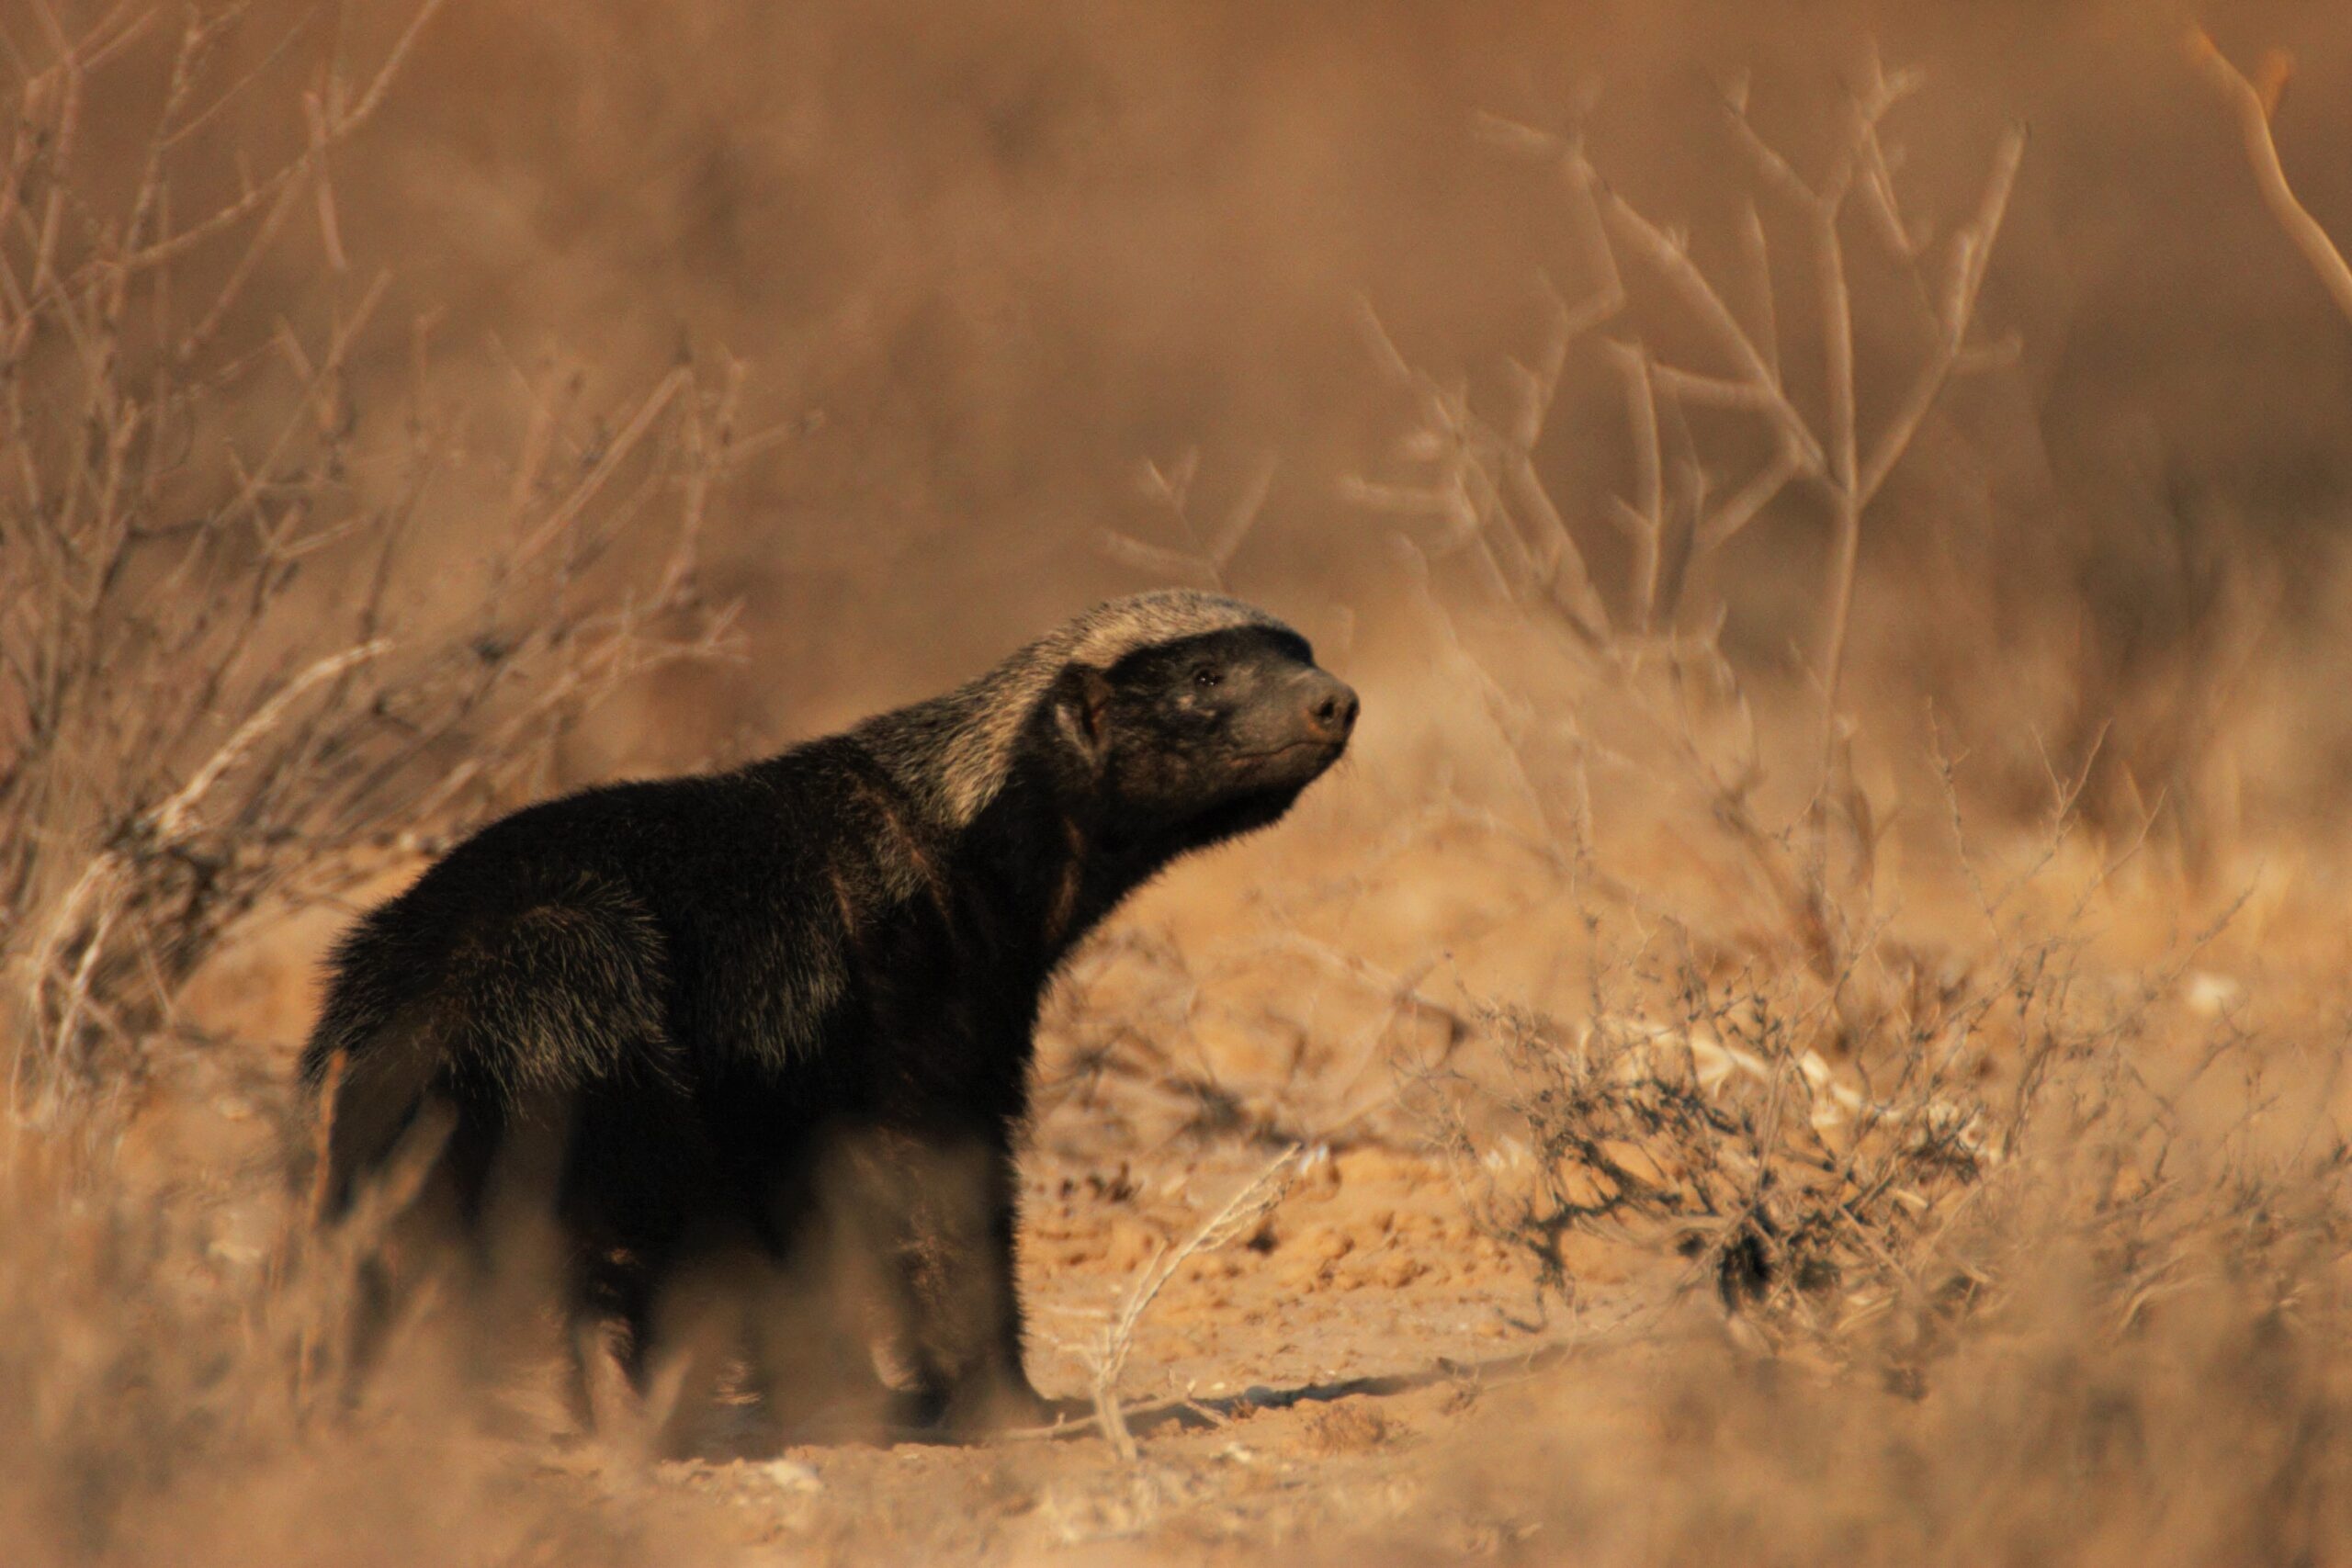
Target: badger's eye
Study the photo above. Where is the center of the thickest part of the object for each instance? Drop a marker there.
(1208, 675)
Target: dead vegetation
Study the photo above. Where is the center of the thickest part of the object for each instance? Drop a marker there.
(1982, 1115)
(230, 676)
(1235, 1219)
(2256, 102)
(234, 680)
(1867, 1152)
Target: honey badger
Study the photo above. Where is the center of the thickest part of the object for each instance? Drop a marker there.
(766, 1034)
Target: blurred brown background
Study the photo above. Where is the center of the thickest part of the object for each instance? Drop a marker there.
(983, 261)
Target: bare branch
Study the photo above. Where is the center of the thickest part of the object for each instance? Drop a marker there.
(1718, 527)
(1240, 1214)
(1690, 287)
(2253, 108)
(261, 194)
(1973, 249)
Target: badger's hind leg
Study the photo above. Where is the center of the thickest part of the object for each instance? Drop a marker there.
(740, 1319)
(656, 1267)
(513, 1028)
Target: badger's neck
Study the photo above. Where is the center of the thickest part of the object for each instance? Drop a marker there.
(956, 751)
(977, 765)
(1036, 864)
(953, 753)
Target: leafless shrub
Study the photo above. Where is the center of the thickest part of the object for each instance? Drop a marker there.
(2083, 1303)
(231, 673)
(1653, 639)
(261, 633)
(1871, 1158)
(1869, 1205)
(2208, 1425)
(1849, 1146)
(1487, 492)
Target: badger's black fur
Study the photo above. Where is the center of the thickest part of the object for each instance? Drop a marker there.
(773, 1026)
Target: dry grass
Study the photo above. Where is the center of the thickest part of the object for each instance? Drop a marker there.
(1235, 1219)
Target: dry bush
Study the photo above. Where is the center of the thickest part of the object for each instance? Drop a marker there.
(1874, 1202)
(245, 649)
(2208, 1429)
(1487, 490)
(2119, 1344)
(1650, 648)
(1980, 1213)
(259, 640)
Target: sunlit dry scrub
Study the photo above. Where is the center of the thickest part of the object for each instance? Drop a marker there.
(1808, 1031)
(219, 680)
(229, 689)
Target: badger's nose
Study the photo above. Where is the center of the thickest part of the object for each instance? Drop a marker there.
(1330, 707)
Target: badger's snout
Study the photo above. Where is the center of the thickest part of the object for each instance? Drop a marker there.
(1326, 707)
(1297, 725)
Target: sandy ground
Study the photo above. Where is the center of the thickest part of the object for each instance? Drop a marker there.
(1308, 1388)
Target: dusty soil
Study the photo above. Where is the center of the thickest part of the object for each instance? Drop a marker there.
(1308, 1387)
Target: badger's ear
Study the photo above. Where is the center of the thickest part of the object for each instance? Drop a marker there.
(1081, 703)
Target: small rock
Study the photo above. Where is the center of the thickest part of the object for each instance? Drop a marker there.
(793, 1476)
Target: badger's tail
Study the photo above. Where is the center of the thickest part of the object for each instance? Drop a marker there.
(377, 1116)
(492, 1034)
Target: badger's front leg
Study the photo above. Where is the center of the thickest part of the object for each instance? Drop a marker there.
(992, 1391)
(940, 1206)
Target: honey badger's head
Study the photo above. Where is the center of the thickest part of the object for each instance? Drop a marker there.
(1147, 726)
(1188, 737)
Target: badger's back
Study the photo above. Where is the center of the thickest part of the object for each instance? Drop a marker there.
(638, 939)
